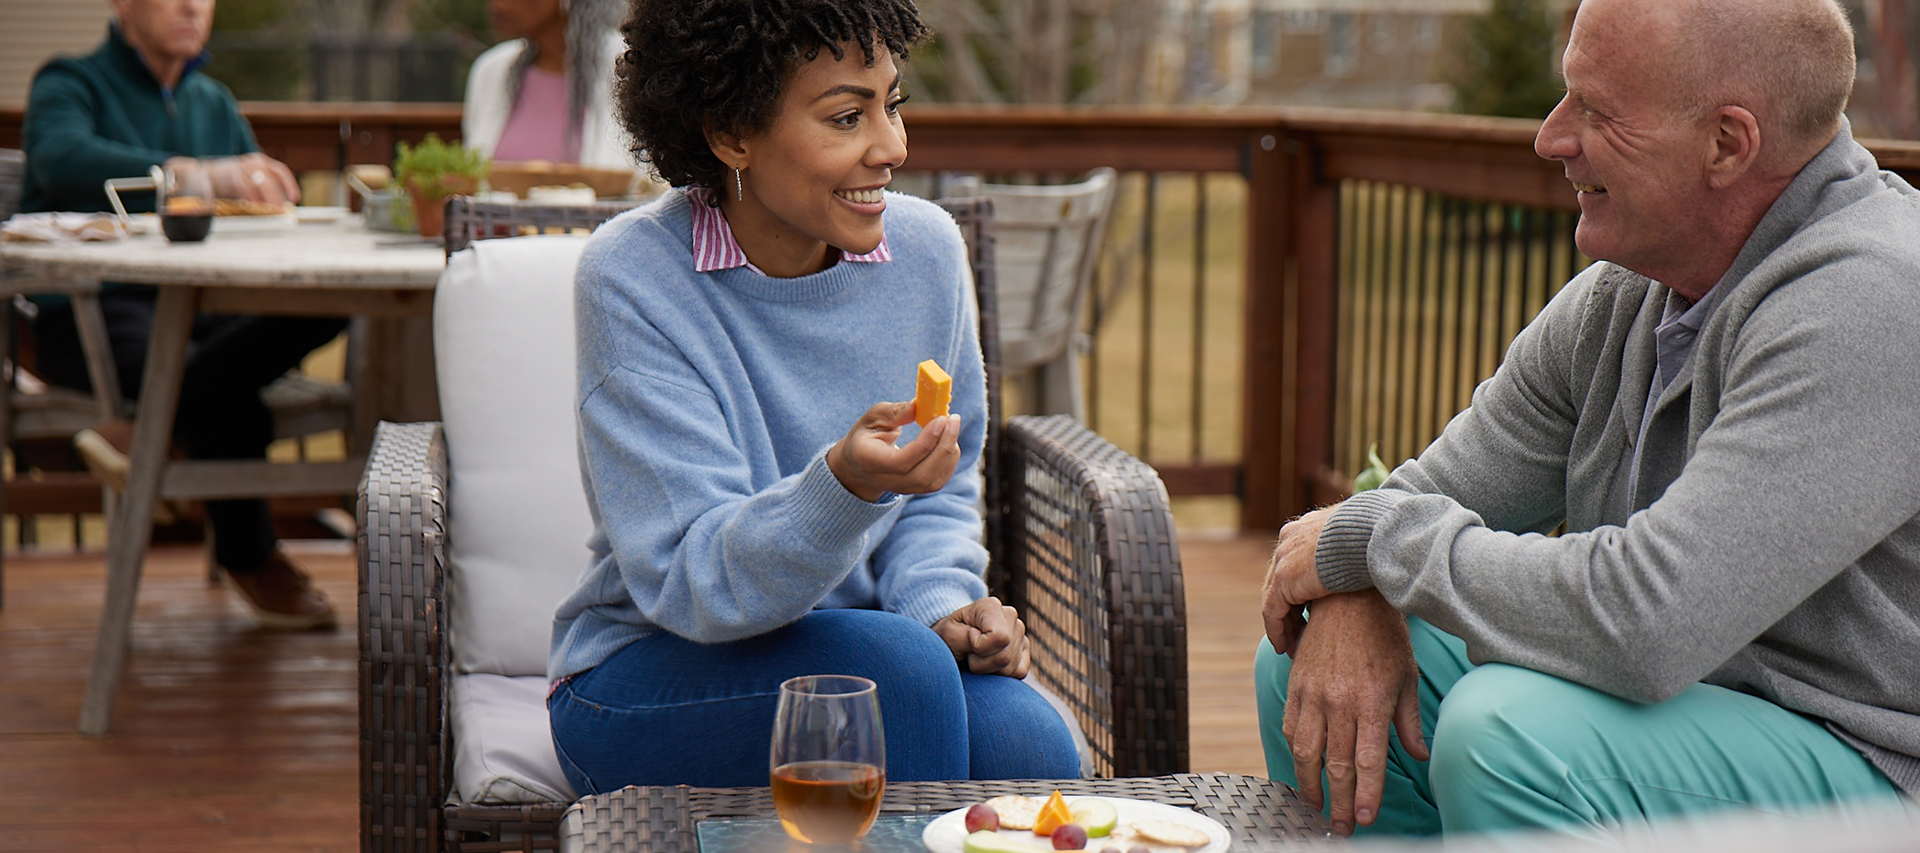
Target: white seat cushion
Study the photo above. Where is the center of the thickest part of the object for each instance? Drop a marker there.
(503, 338)
(502, 742)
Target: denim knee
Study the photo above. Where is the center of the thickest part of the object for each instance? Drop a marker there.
(897, 653)
(1015, 733)
(921, 698)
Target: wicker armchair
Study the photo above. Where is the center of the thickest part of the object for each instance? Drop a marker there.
(1081, 538)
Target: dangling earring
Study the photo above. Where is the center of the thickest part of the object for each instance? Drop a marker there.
(739, 189)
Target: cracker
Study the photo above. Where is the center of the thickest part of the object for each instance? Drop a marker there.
(1169, 832)
(1124, 838)
(1016, 812)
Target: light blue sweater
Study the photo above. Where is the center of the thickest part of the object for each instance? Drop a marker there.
(707, 403)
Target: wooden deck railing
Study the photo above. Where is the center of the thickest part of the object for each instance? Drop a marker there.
(1372, 265)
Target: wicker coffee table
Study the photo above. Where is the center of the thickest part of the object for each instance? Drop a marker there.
(1261, 814)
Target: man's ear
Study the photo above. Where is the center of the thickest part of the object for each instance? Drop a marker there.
(732, 150)
(1734, 145)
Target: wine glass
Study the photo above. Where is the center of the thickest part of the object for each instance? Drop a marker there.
(829, 758)
(186, 203)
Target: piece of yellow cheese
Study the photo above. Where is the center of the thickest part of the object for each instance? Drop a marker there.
(934, 391)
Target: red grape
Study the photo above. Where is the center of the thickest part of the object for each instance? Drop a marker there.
(1070, 836)
(982, 816)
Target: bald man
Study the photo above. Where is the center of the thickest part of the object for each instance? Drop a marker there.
(1722, 414)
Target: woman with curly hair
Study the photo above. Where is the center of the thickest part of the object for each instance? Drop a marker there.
(761, 510)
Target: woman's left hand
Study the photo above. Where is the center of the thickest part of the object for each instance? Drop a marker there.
(987, 638)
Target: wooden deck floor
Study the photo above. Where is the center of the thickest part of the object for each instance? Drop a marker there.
(228, 738)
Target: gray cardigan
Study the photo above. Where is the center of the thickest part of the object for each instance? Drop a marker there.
(1772, 545)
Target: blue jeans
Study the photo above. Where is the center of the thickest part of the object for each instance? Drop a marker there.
(1517, 749)
(668, 711)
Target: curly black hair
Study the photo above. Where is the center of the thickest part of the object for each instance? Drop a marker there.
(695, 65)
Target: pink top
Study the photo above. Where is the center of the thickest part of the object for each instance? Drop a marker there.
(537, 127)
(714, 247)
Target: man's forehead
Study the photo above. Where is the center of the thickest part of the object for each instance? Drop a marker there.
(1617, 51)
(1627, 28)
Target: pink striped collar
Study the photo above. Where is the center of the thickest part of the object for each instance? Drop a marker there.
(714, 247)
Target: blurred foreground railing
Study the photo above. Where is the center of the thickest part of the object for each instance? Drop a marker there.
(1280, 289)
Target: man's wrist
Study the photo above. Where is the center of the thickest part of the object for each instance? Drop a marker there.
(1340, 555)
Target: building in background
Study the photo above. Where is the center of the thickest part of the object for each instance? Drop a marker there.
(1368, 54)
(38, 30)
(1402, 55)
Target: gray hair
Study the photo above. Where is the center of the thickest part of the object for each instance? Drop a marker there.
(588, 23)
(1790, 62)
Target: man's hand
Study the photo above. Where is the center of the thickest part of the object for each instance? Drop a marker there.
(1353, 674)
(987, 637)
(253, 177)
(869, 465)
(1292, 579)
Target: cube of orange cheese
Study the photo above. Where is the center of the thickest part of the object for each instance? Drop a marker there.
(934, 392)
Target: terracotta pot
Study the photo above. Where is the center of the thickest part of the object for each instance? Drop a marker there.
(430, 211)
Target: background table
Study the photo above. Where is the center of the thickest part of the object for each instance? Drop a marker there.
(1260, 814)
(337, 269)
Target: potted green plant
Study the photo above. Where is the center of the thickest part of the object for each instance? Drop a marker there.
(433, 170)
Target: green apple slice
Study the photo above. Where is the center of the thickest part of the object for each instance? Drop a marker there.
(988, 841)
(1095, 815)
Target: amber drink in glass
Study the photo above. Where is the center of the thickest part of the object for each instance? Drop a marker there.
(186, 204)
(829, 758)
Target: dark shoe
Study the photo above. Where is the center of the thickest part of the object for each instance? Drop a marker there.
(282, 596)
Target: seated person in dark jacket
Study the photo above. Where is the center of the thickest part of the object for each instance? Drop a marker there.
(134, 103)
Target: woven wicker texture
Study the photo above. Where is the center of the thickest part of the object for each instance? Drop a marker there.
(405, 768)
(1258, 813)
(1080, 533)
(469, 220)
(1093, 567)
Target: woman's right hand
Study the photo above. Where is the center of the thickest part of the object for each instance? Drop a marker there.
(869, 464)
(987, 638)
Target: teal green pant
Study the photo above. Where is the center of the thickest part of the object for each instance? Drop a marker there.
(1516, 749)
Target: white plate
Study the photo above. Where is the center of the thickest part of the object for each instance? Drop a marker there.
(948, 832)
(318, 214)
(270, 222)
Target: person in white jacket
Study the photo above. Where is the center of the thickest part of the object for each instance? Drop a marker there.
(546, 92)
